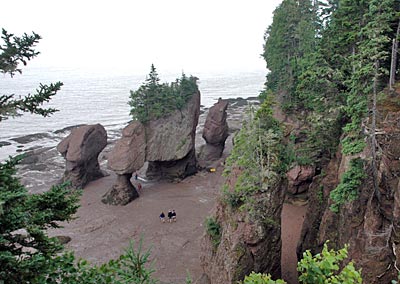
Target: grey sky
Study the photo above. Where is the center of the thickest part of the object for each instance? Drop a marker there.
(218, 35)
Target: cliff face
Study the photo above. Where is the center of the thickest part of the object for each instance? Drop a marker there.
(249, 240)
(371, 223)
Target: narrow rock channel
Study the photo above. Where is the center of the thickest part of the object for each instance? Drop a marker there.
(292, 222)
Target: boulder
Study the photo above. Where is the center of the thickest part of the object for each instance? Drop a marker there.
(81, 149)
(129, 152)
(299, 178)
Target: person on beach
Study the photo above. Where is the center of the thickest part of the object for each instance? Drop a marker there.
(139, 186)
(173, 216)
(136, 176)
(169, 216)
(162, 217)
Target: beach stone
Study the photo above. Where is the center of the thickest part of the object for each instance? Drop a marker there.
(4, 143)
(129, 152)
(122, 191)
(31, 138)
(81, 149)
(215, 132)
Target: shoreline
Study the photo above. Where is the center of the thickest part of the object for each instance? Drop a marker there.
(43, 166)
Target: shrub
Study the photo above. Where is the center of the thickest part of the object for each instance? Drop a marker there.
(213, 229)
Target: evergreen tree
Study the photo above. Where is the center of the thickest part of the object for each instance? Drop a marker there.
(153, 100)
(16, 50)
(290, 39)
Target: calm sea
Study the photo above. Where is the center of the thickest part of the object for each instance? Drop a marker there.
(94, 97)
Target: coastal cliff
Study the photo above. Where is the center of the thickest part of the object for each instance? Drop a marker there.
(369, 224)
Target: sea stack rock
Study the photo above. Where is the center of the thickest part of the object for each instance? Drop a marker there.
(127, 156)
(170, 142)
(81, 149)
(215, 132)
(167, 144)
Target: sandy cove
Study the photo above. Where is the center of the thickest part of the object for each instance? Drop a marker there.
(101, 232)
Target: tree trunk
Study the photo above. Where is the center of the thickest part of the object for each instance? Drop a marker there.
(373, 130)
(393, 63)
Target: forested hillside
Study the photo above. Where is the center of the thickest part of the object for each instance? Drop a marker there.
(326, 130)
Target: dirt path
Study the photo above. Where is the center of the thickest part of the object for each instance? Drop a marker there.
(101, 232)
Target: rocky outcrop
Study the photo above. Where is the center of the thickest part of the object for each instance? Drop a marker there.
(166, 143)
(81, 149)
(215, 132)
(170, 142)
(370, 223)
(249, 239)
(127, 156)
(299, 179)
(173, 170)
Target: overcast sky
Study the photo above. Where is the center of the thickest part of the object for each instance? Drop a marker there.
(206, 35)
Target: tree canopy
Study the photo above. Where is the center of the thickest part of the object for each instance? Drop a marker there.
(153, 99)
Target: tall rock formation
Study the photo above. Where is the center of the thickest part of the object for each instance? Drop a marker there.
(127, 156)
(249, 239)
(166, 143)
(215, 132)
(81, 149)
(170, 147)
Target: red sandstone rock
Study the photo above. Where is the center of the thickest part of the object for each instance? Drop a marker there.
(128, 154)
(81, 150)
(216, 128)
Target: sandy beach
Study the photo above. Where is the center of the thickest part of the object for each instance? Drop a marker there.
(101, 232)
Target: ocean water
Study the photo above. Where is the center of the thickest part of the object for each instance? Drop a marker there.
(96, 97)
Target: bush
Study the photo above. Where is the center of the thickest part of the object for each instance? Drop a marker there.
(347, 190)
(323, 268)
(213, 229)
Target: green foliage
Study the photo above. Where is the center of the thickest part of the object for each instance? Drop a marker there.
(154, 100)
(347, 190)
(130, 267)
(16, 50)
(13, 51)
(290, 38)
(258, 278)
(254, 157)
(214, 230)
(21, 258)
(324, 268)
